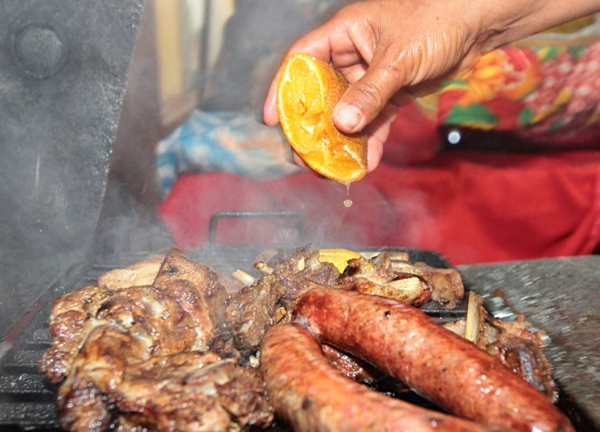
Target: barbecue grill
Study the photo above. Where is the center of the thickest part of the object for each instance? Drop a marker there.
(27, 397)
(65, 68)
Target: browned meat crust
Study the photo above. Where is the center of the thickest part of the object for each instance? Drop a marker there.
(70, 323)
(452, 372)
(139, 353)
(520, 350)
(351, 367)
(311, 395)
(192, 391)
(139, 274)
(271, 298)
(199, 293)
(252, 311)
(393, 276)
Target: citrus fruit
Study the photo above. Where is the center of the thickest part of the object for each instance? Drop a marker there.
(337, 257)
(307, 92)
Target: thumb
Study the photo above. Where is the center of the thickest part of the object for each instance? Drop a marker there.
(365, 98)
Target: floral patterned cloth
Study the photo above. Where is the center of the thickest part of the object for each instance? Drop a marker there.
(542, 93)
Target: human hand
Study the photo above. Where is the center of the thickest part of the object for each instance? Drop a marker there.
(392, 50)
(388, 50)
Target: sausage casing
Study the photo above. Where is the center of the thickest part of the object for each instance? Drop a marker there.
(310, 394)
(405, 343)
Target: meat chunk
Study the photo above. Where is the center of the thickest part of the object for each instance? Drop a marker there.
(70, 323)
(199, 293)
(148, 312)
(139, 274)
(270, 299)
(193, 389)
(253, 310)
(390, 275)
(514, 343)
(139, 354)
(82, 403)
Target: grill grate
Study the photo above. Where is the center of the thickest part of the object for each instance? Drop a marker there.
(26, 395)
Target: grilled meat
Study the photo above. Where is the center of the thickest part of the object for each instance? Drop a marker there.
(199, 293)
(83, 403)
(351, 367)
(516, 345)
(139, 353)
(312, 396)
(391, 275)
(270, 299)
(192, 391)
(139, 274)
(176, 300)
(70, 323)
(160, 345)
(253, 310)
(450, 371)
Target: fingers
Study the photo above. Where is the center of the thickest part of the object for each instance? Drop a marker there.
(299, 161)
(378, 132)
(365, 98)
(270, 114)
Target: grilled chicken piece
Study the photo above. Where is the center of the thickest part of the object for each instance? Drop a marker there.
(199, 293)
(71, 320)
(139, 274)
(82, 403)
(139, 353)
(184, 291)
(128, 326)
(252, 311)
(194, 391)
(390, 275)
(144, 311)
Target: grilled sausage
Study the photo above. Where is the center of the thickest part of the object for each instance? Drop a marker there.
(441, 366)
(310, 394)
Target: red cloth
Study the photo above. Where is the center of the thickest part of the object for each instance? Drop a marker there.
(472, 207)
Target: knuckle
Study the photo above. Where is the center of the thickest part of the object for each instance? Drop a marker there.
(370, 93)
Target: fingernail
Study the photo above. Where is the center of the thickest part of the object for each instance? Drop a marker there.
(350, 117)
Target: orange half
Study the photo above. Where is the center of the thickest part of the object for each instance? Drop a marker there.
(308, 91)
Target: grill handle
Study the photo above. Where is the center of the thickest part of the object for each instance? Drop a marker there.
(212, 231)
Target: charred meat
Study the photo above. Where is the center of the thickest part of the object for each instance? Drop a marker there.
(140, 355)
(167, 344)
(516, 345)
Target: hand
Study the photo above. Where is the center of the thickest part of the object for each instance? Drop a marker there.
(387, 50)
(392, 50)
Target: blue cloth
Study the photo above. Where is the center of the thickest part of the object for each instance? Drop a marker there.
(226, 142)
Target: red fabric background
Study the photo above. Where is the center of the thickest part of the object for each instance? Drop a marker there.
(472, 207)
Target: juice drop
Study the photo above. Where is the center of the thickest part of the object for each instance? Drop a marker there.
(348, 202)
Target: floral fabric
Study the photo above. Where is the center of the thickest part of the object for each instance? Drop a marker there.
(548, 93)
